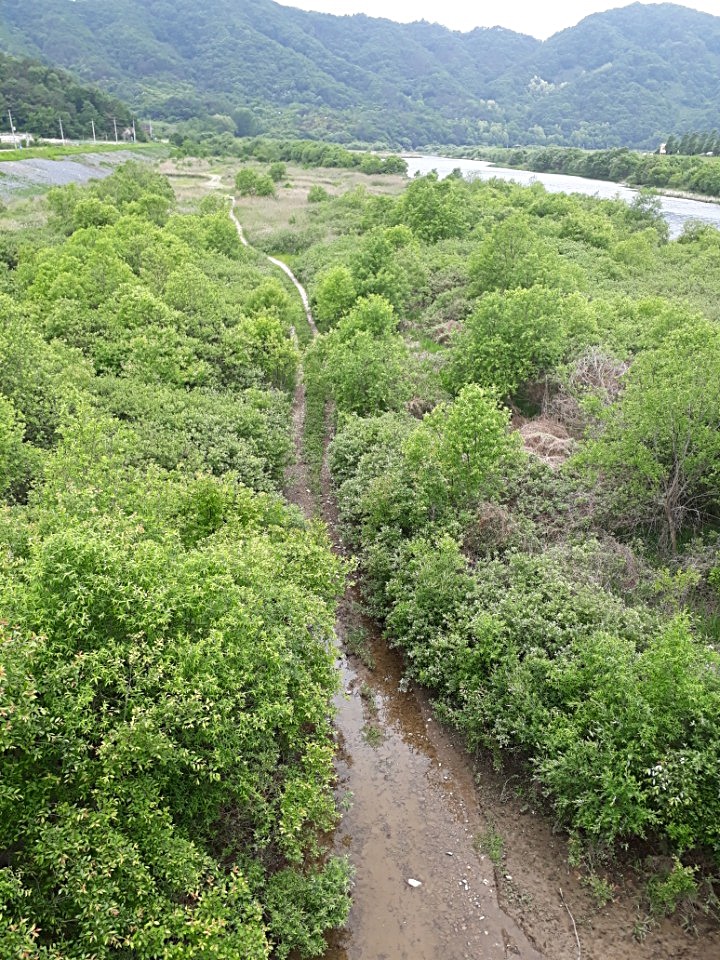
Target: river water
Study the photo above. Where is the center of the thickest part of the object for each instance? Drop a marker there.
(676, 210)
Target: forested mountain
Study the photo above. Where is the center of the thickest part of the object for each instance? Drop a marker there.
(617, 77)
(38, 96)
(626, 76)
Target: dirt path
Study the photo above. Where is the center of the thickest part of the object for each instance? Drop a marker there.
(412, 814)
(416, 803)
(282, 266)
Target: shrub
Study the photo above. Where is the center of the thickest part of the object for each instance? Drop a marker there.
(317, 194)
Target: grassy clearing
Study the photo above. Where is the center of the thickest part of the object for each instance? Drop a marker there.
(263, 217)
(53, 152)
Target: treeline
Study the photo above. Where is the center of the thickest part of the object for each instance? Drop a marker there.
(165, 649)
(39, 97)
(305, 153)
(694, 144)
(699, 174)
(526, 462)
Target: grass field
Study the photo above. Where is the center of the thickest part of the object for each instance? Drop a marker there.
(265, 216)
(55, 152)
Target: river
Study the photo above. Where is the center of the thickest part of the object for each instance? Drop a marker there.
(676, 210)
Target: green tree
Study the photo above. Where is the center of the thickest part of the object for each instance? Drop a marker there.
(513, 255)
(659, 454)
(516, 336)
(464, 449)
(277, 172)
(367, 374)
(246, 180)
(334, 296)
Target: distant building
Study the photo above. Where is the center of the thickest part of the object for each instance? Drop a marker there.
(662, 149)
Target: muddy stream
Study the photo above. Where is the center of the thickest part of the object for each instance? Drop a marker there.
(415, 803)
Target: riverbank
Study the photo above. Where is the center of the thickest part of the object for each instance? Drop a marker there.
(686, 177)
(676, 210)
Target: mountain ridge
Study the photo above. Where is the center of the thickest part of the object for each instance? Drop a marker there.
(374, 80)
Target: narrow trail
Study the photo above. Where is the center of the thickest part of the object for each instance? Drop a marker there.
(282, 266)
(413, 811)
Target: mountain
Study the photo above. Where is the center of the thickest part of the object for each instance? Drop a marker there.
(621, 77)
(624, 77)
(39, 96)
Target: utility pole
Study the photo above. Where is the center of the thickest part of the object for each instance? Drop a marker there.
(12, 128)
(134, 137)
(93, 126)
(115, 125)
(62, 135)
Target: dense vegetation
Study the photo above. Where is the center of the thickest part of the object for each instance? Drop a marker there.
(696, 143)
(526, 462)
(304, 153)
(166, 666)
(694, 174)
(40, 96)
(624, 77)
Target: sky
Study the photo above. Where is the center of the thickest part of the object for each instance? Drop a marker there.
(539, 19)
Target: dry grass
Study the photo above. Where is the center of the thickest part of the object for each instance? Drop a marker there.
(263, 216)
(547, 439)
(23, 213)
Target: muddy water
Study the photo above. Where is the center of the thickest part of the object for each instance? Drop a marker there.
(413, 815)
(409, 797)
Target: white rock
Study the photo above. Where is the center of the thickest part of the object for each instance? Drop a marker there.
(414, 883)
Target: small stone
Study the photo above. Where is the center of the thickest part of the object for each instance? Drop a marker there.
(414, 883)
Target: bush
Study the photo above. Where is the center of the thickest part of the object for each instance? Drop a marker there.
(249, 182)
(317, 194)
(277, 172)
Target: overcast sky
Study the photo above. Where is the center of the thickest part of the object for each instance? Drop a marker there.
(540, 19)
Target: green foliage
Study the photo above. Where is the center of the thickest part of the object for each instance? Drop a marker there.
(38, 95)
(17, 459)
(168, 676)
(258, 349)
(386, 263)
(513, 256)
(661, 445)
(366, 366)
(365, 374)
(666, 894)
(462, 451)
(435, 209)
(335, 294)
(491, 843)
(277, 172)
(699, 174)
(249, 182)
(516, 336)
(317, 194)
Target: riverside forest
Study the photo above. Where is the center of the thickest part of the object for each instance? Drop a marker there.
(359, 531)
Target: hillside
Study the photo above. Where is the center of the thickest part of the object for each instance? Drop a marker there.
(627, 76)
(617, 77)
(38, 96)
